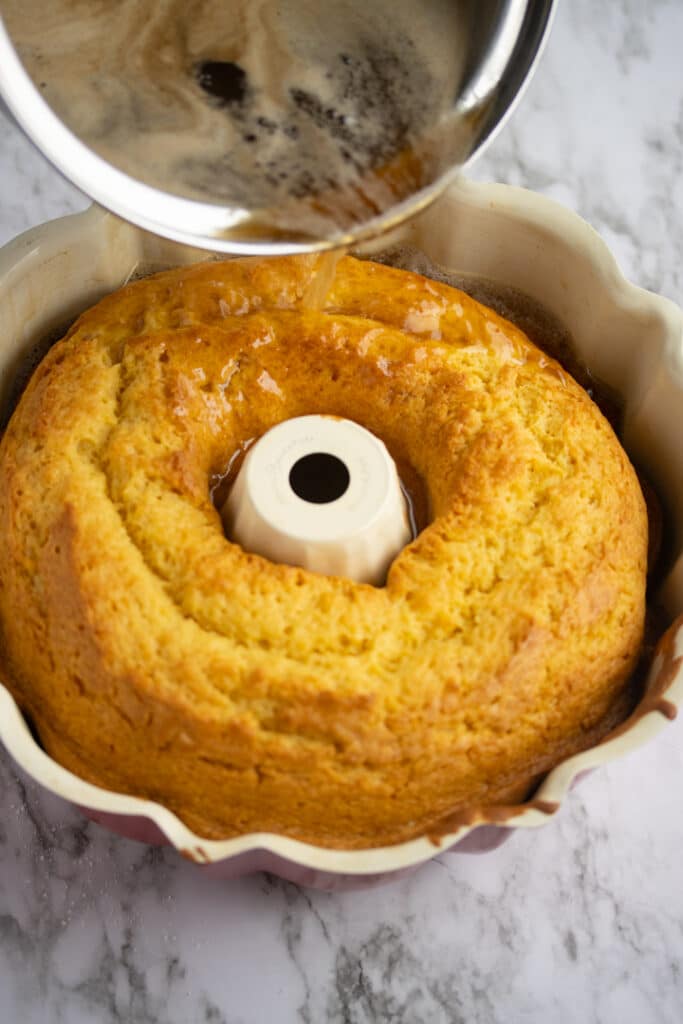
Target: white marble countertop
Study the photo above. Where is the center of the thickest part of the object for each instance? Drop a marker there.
(579, 921)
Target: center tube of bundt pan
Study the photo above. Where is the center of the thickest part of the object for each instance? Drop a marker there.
(322, 493)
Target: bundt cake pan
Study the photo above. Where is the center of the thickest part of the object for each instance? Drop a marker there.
(629, 339)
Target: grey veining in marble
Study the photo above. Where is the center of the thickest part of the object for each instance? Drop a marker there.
(581, 921)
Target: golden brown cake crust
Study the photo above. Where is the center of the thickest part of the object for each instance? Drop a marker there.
(159, 659)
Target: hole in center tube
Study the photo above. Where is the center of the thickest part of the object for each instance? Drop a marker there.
(319, 478)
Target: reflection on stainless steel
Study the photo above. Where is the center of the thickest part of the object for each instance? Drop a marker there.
(259, 125)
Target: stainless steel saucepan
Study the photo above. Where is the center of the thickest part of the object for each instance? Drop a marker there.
(263, 126)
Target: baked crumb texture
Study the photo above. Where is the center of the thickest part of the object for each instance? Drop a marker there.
(157, 658)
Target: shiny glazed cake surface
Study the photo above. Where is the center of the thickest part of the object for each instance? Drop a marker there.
(157, 658)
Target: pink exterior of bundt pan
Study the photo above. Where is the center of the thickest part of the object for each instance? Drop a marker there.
(629, 339)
